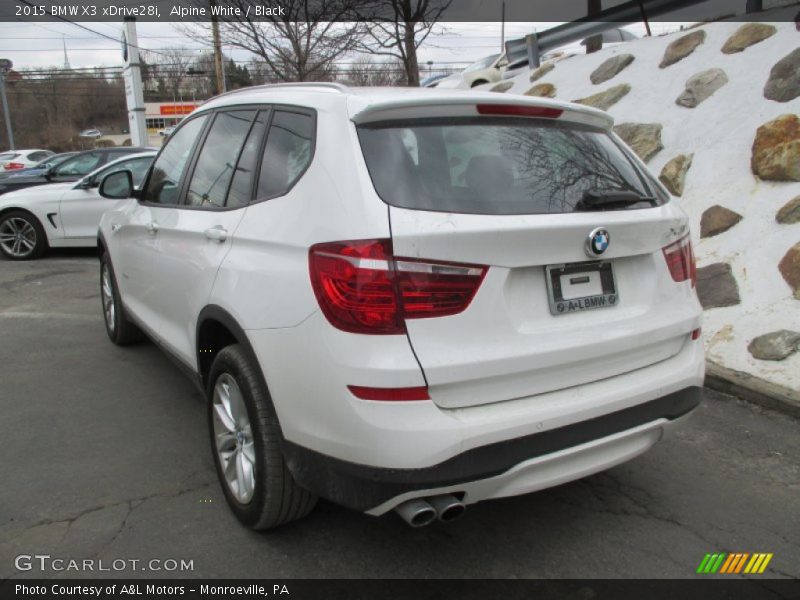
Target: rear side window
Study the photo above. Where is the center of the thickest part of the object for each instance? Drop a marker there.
(162, 187)
(495, 166)
(218, 158)
(290, 146)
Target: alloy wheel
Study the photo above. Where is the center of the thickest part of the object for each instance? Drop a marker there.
(107, 292)
(17, 237)
(233, 437)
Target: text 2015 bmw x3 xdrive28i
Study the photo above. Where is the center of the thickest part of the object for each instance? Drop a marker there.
(408, 300)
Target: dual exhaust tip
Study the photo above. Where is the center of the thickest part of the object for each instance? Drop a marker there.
(420, 512)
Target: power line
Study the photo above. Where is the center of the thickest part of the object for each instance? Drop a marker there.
(65, 20)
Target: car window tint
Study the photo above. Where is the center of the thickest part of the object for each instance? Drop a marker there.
(8, 156)
(80, 165)
(162, 187)
(137, 166)
(287, 153)
(217, 162)
(242, 184)
(495, 165)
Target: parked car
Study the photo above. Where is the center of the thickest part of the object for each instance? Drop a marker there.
(38, 168)
(486, 70)
(91, 133)
(60, 214)
(409, 300)
(71, 169)
(432, 81)
(22, 159)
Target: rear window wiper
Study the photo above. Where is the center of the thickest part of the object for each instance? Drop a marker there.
(611, 200)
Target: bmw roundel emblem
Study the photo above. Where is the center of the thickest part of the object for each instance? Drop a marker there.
(597, 242)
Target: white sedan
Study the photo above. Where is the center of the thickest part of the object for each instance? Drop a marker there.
(61, 214)
(22, 159)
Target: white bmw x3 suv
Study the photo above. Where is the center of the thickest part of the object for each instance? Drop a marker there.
(408, 300)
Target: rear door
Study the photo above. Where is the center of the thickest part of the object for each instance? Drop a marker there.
(570, 295)
(194, 239)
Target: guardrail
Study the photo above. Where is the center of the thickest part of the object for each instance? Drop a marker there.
(535, 45)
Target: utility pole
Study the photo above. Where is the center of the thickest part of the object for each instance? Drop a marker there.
(5, 67)
(503, 28)
(217, 50)
(132, 74)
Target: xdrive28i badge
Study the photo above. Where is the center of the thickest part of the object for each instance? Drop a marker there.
(597, 242)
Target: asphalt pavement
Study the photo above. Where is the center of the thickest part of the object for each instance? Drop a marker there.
(106, 457)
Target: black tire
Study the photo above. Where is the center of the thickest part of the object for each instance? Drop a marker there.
(121, 330)
(22, 221)
(276, 498)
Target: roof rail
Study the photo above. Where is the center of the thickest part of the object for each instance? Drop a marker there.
(301, 84)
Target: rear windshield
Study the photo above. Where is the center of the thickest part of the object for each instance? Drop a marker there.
(497, 166)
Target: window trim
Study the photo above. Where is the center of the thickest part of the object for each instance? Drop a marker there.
(271, 108)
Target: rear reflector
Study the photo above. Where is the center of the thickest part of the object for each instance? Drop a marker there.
(680, 260)
(697, 333)
(362, 288)
(389, 394)
(513, 110)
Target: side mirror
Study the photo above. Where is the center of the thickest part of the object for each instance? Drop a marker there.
(85, 184)
(117, 185)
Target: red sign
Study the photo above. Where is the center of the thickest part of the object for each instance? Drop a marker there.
(176, 109)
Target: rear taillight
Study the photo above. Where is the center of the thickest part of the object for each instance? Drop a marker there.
(680, 260)
(362, 288)
(12, 166)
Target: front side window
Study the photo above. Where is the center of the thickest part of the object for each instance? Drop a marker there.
(290, 145)
(79, 166)
(496, 166)
(162, 187)
(216, 164)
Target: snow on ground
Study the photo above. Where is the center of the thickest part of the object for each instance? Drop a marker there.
(720, 133)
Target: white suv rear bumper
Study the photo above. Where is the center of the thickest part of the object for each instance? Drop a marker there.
(323, 423)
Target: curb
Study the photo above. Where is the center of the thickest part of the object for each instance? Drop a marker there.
(753, 389)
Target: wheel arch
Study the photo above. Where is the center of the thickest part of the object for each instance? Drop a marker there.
(217, 328)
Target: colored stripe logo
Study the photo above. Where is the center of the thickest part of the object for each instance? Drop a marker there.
(734, 563)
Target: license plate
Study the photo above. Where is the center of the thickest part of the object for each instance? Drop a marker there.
(581, 286)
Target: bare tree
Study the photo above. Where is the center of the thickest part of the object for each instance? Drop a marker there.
(168, 69)
(397, 28)
(367, 72)
(302, 44)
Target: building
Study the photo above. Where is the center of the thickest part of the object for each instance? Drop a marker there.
(159, 115)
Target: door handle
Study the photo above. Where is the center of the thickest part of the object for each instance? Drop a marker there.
(152, 228)
(218, 233)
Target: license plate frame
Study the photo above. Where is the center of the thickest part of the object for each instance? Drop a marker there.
(559, 305)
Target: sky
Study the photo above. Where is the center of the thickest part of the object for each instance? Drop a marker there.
(33, 45)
